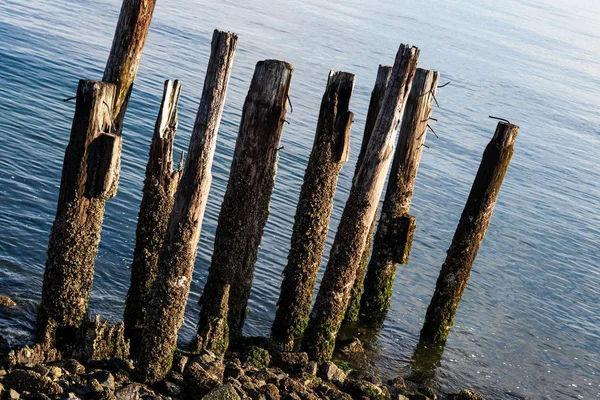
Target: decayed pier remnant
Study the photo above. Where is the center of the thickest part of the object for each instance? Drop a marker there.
(311, 224)
(340, 274)
(158, 196)
(396, 227)
(377, 95)
(245, 207)
(474, 221)
(89, 178)
(171, 287)
(73, 243)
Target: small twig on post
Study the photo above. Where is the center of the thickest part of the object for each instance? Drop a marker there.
(153, 219)
(475, 218)
(311, 223)
(393, 239)
(340, 274)
(176, 260)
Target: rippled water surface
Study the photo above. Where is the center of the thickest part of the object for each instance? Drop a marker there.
(528, 325)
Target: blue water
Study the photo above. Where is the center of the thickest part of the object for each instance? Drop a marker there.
(528, 325)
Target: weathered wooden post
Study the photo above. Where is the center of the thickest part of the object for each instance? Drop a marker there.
(245, 207)
(329, 153)
(377, 95)
(171, 287)
(334, 293)
(393, 239)
(70, 267)
(153, 219)
(476, 216)
(89, 178)
(126, 52)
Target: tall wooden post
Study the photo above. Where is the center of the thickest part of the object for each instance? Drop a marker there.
(126, 52)
(393, 239)
(245, 207)
(88, 179)
(329, 153)
(334, 293)
(70, 269)
(153, 219)
(171, 287)
(476, 216)
(377, 95)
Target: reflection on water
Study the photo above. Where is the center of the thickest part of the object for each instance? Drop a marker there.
(528, 324)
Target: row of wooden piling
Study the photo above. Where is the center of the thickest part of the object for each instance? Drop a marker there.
(173, 204)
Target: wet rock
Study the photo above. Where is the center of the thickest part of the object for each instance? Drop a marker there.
(135, 391)
(104, 378)
(397, 383)
(373, 379)
(224, 392)
(169, 389)
(54, 372)
(359, 388)
(330, 391)
(179, 362)
(467, 395)
(30, 381)
(293, 363)
(203, 374)
(73, 367)
(257, 357)
(6, 302)
(330, 372)
(352, 346)
(39, 368)
(32, 355)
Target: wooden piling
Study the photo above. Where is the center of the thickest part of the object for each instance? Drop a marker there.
(126, 52)
(88, 179)
(377, 95)
(393, 239)
(476, 216)
(245, 207)
(176, 260)
(70, 265)
(311, 224)
(334, 293)
(159, 189)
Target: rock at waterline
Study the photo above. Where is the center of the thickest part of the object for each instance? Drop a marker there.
(6, 302)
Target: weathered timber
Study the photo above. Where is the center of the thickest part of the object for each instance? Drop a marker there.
(245, 207)
(475, 218)
(158, 196)
(171, 287)
(126, 52)
(357, 217)
(377, 95)
(311, 223)
(88, 180)
(393, 239)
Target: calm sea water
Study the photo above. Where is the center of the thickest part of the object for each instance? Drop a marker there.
(529, 323)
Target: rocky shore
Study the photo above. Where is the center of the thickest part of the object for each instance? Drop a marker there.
(100, 368)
